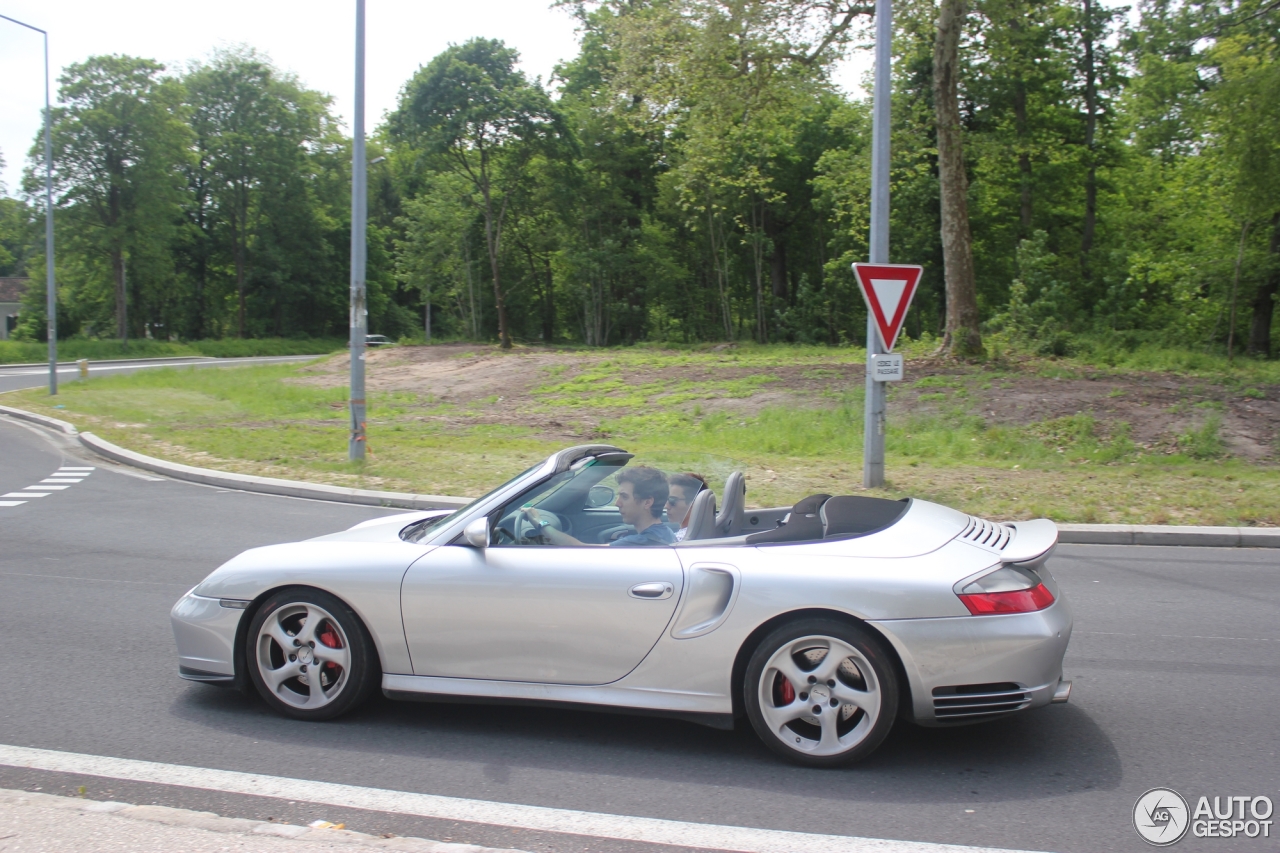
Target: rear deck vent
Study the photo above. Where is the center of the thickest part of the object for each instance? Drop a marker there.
(978, 700)
(988, 534)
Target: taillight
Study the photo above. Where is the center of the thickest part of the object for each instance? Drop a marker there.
(1006, 590)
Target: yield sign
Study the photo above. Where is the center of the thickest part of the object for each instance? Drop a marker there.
(888, 289)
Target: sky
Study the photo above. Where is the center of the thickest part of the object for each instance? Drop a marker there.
(314, 40)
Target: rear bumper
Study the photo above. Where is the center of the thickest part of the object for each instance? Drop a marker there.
(205, 632)
(968, 669)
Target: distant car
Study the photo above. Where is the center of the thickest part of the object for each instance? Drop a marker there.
(378, 341)
(821, 622)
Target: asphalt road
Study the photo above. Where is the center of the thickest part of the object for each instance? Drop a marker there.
(14, 377)
(1174, 660)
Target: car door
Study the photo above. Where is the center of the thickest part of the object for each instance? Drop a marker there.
(563, 615)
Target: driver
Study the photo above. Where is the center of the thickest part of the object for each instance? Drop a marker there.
(642, 493)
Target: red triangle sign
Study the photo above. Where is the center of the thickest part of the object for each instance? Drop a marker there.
(888, 289)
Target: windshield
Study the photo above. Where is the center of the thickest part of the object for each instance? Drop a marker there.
(416, 531)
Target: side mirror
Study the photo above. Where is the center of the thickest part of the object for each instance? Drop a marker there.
(477, 533)
(599, 496)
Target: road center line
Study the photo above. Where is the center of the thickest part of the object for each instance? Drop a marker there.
(593, 824)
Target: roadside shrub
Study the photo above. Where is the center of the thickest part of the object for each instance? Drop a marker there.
(1205, 442)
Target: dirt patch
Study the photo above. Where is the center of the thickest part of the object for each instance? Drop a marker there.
(487, 386)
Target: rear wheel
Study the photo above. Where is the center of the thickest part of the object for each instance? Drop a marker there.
(309, 656)
(821, 692)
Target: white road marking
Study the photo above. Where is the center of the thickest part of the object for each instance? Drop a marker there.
(593, 824)
(55, 482)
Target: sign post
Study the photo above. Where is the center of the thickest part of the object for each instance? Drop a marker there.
(888, 289)
(873, 433)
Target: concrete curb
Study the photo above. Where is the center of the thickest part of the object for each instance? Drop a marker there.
(268, 485)
(42, 420)
(1160, 534)
(1068, 534)
(211, 822)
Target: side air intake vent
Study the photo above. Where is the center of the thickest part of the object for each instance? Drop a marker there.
(988, 534)
(978, 700)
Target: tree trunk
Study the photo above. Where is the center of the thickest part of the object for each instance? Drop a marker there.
(493, 237)
(1024, 161)
(240, 285)
(718, 263)
(122, 294)
(1090, 132)
(549, 305)
(1235, 291)
(1024, 155)
(757, 258)
(1264, 302)
(778, 270)
(962, 336)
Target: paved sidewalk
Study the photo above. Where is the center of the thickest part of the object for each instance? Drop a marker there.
(43, 823)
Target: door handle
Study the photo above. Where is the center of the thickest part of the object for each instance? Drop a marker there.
(654, 590)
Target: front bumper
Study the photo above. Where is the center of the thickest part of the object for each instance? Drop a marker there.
(967, 669)
(205, 632)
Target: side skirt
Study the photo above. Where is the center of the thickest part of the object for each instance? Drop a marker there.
(416, 688)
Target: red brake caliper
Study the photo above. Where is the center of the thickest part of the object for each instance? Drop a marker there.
(786, 692)
(330, 637)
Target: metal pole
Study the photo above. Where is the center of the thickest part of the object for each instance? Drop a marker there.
(359, 213)
(873, 430)
(51, 293)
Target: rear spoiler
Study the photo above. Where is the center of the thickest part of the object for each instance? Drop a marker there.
(1032, 543)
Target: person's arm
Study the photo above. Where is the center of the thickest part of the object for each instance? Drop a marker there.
(554, 535)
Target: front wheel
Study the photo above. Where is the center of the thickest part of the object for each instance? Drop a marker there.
(309, 656)
(821, 692)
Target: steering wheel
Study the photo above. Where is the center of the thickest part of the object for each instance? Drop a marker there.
(527, 533)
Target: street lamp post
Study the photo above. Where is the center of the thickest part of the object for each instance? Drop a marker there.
(873, 430)
(51, 296)
(359, 214)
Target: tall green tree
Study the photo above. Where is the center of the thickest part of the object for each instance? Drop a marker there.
(119, 145)
(249, 192)
(479, 116)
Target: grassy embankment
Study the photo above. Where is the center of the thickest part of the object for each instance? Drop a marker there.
(23, 352)
(793, 415)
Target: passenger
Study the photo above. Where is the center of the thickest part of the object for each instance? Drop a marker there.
(684, 488)
(642, 493)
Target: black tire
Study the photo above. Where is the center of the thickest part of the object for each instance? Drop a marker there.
(300, 669)
(798, 720)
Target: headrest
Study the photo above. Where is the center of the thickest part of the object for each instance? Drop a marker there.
(702, 517)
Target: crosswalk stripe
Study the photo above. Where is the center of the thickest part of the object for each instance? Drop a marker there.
(12, 503)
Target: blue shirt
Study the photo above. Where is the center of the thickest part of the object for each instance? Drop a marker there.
(654, 534)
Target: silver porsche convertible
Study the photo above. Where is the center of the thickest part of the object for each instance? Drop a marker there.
(597, 582)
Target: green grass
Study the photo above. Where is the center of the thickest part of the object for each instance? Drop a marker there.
(277, 421)
(23, 352)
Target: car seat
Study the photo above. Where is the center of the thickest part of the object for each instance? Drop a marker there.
(732, 515)
(702, 517)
